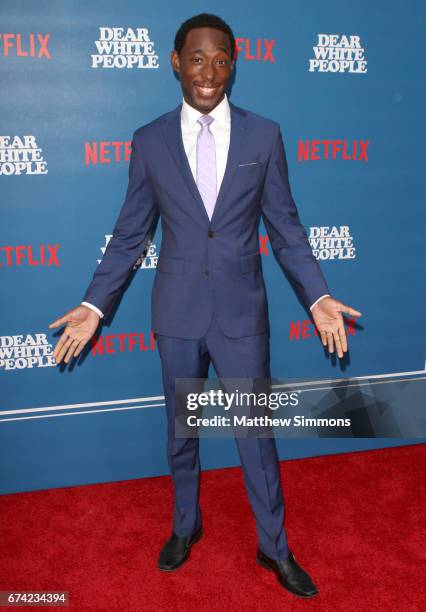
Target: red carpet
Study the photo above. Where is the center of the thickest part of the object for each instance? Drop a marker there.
(355, 521)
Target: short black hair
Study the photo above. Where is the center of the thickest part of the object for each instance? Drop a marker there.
(203, 20)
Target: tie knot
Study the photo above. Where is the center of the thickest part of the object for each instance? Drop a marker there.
(205, 120)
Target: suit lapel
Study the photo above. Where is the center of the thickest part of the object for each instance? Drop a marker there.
(236, 149)
(173, 136)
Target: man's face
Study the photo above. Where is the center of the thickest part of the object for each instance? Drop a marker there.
(204, 66)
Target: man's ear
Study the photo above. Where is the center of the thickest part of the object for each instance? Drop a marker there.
(174, 60)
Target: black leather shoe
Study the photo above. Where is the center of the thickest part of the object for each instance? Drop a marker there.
(289, 574)
(176, 550)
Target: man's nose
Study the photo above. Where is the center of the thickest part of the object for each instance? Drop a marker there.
(208, 71)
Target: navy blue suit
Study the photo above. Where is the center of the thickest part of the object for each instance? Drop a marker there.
(208, 299)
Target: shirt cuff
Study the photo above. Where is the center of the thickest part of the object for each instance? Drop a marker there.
(99, 312)
(320, 298)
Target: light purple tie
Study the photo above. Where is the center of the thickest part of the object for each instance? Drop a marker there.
(206, 164)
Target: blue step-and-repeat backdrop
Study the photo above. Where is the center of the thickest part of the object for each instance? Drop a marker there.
(345, 82)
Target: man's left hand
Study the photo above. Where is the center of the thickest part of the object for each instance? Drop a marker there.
(329, 322)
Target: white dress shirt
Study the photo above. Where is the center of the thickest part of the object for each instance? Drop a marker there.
(221, 130)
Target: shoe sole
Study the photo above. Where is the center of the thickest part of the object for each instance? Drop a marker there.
(267, 567)
(196, 539)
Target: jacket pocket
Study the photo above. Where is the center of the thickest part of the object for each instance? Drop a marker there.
(250, 263)
(252, 164)
(171, 265)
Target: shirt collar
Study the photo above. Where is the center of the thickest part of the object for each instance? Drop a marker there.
(221, 113)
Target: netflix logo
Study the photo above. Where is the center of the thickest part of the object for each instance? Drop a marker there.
(25, 45)
(105, 152)
(309, 150)
(303, 330)
(263, 240)
(44, 255)
(120, 343)
(259, 50)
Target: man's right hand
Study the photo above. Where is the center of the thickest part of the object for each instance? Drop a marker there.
(81, 324)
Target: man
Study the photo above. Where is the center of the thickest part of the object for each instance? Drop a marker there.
(211, 170)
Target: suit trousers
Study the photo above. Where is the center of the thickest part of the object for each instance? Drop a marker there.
(246, 357)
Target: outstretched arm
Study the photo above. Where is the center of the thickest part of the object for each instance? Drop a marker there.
(293, 252)
(287, 235)
(133, 228)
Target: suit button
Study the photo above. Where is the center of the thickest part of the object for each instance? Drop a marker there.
(206, 272)
(210, 233)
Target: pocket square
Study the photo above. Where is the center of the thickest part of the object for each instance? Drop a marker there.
(249, 164)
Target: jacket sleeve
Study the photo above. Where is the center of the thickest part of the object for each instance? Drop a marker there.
(287, 235)
(134, 227)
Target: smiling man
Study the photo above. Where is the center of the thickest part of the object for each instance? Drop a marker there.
(211, 170)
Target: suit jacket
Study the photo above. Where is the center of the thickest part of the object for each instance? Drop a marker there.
(204, 265)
